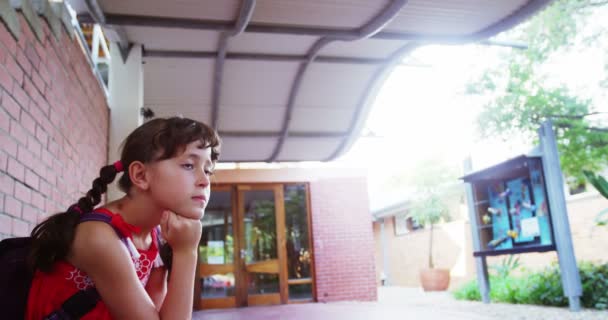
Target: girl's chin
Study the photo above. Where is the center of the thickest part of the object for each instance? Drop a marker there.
(193, 214)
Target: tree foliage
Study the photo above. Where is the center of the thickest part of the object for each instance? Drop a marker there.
(522, 96)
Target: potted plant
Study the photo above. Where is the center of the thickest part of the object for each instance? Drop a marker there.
(427, 211)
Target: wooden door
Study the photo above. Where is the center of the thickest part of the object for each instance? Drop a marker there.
(262, 257)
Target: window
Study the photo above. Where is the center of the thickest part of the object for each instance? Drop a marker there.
(404, 224)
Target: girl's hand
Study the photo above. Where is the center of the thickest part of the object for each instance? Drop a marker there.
(182, 234)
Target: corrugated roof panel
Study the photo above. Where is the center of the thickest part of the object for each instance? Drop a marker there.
(456, 17)
(192, 9)
(173, 39)
(178, 81)
(321, 13)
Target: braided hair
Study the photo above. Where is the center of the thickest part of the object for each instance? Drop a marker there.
(156, 140)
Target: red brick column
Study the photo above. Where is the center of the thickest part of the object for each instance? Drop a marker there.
(53, 126)
(343, 240)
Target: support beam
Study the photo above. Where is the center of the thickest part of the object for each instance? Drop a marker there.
(245, 14)
(369, 29)
(126, 100)
(259, 57)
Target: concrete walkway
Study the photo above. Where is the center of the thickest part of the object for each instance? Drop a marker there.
(401, 303)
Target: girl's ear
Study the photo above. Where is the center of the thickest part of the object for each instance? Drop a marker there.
(139, 175)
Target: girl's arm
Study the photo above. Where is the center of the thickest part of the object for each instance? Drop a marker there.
(98, 251)
(157, 286)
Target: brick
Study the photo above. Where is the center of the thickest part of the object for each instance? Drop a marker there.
(38, 82)
(5, 122)
(41, 135)
(11, 106)
(15, 169)
(12, 206)
(21, 97)
(31, 179)
(14, 70)
(7, 39)
(6, 80)
(20, 228)
(32, 56)
(28, 123)
(7, 184)
(47, 158)
(24, 63)
(38, 200)
(23, 193)
(25, 157)
(18, 132)
(41, 51)
(29, 214)
(53, 148)
(34, 146)
(45, 187)
(9, 145)
(5, 222)
(44, 74)
(3, 161)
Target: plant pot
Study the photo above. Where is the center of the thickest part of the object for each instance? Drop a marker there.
(435, 279)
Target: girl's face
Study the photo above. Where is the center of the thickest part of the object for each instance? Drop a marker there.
(182, 183)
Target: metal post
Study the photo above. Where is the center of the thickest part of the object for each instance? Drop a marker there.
(385, 261)
(559, 216)
(480, 262)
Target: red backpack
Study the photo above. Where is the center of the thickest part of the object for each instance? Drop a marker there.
(16, 279)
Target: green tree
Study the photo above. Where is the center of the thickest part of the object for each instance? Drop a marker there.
(436, 185)
(521, 98)
(428, 211)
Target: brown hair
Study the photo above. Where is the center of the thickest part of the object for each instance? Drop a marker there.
(156, 140)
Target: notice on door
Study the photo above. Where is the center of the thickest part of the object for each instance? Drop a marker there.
(530, 227)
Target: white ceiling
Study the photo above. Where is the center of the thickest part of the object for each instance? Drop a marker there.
(274, 103)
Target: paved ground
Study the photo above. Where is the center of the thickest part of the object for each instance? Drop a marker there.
(402, 303)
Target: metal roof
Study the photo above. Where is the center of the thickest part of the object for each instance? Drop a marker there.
(285, 80)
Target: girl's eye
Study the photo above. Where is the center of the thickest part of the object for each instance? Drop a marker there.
(188, 166)
(209, 172)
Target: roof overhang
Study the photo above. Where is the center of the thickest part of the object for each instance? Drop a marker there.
(285, 80)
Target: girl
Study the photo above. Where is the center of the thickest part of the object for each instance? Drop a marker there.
(167, 165)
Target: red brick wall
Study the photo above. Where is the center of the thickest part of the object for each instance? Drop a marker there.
(343, 240)
(53, 126)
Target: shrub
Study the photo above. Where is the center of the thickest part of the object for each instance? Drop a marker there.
(544, 287)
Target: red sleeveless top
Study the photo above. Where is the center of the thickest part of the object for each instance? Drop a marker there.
(50, 290)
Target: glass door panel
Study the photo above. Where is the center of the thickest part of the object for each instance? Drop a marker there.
(216, 285)
(262, 244)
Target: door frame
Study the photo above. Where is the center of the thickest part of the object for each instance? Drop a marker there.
(243, 298)
(240, 299)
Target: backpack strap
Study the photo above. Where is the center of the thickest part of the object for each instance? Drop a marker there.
(158, 261)
(76, 306)
(83, 301)
(119, 226)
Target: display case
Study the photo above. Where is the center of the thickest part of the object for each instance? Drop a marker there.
(512, 214)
